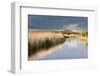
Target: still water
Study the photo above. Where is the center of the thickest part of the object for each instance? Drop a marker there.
(73, 48)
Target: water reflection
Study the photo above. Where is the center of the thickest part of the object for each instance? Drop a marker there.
(71, 43)
(73, 48)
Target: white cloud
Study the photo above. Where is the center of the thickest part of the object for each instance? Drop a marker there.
(73, 27)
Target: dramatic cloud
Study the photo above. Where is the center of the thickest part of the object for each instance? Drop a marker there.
(73, 27)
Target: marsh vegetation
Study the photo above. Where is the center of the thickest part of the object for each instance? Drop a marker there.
(44, 40)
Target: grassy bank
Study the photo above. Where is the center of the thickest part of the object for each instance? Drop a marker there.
(44, 44)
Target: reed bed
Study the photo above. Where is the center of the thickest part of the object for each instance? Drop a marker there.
(44, 44)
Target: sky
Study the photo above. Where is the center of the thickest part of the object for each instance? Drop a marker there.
(48, 22)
